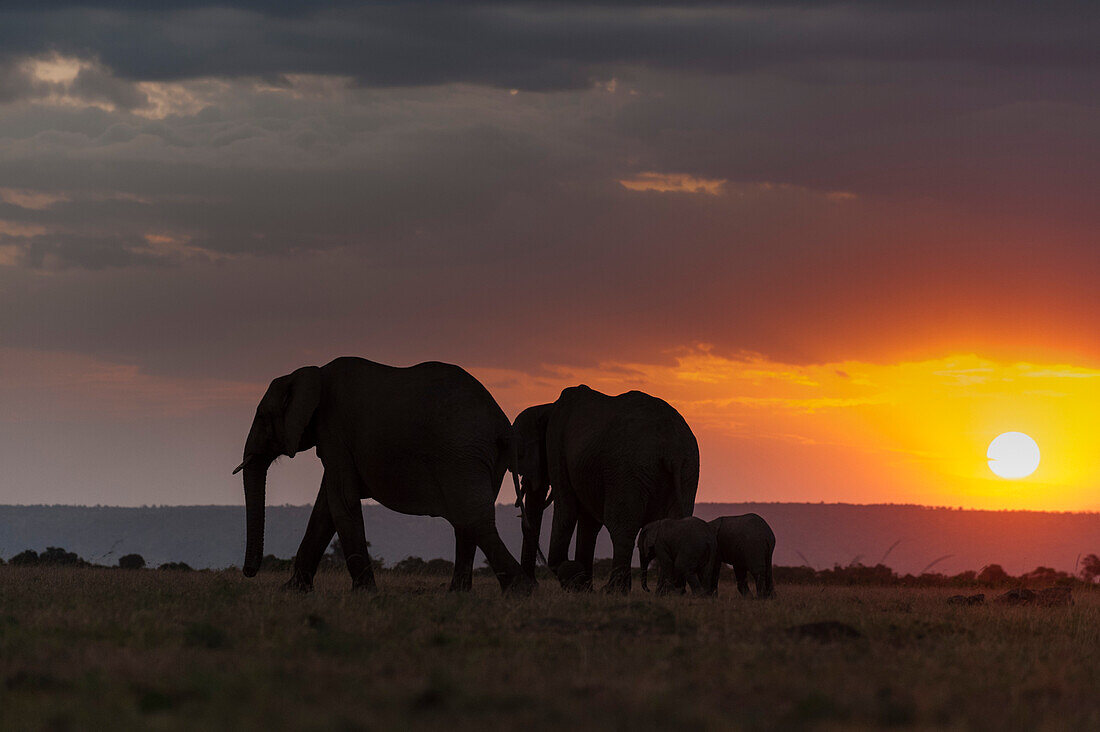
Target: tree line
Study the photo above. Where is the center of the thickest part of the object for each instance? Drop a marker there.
(854, 574)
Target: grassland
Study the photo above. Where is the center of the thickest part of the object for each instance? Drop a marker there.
(116, 649)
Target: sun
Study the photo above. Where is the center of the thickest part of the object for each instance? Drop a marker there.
(1013, 455)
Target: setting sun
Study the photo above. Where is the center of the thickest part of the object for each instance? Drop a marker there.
(1013, 455)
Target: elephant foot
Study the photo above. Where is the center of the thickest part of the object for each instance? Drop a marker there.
(365, 587)
(572, 576)
(464, 584)
(582, 583)
(619, 583)
(298, 584)
(520, 586)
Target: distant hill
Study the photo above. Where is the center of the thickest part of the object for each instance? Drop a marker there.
(820, 535)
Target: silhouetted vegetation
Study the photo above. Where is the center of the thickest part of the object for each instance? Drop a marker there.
(272, 563)
(853, 575)
(334, 558)
(52, 557)
(858, 574)
(26, 558)
(416, 565)
(1090, 568)
(131, 561)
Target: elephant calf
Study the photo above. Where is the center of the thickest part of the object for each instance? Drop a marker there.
(746, 543)
(686, 552)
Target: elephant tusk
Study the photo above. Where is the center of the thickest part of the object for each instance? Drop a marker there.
(240, 467)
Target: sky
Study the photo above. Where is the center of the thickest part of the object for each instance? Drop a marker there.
(850, 242)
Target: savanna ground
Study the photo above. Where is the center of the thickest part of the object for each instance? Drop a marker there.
(117, 649)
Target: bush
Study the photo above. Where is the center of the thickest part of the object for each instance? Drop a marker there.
(176, 567)
(994, 574)
(272, 563)
(440, 566)
(131, 561)
(1090, 568)
(26, 558)
(55, 556)
(411, 565)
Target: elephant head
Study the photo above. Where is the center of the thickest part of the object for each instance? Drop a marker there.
(531, 463)
(280, 427)
(647, 551)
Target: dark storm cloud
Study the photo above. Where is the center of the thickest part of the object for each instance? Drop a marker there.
(540, 46)
(922, 145)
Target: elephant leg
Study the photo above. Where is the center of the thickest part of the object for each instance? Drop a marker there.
(465, 548)
(565, 522)
(511, 576)
(765, 586)
(667, 579)
(347, 513)
(711, 571)
(622, 542)
(319, 533)
(588, 529)
(688, 568)
(741, 572)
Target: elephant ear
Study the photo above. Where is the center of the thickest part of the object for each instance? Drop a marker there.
(302, 397)
(530, 429)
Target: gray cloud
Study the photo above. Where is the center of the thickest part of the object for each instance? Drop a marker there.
(456, 221)
(544, 46)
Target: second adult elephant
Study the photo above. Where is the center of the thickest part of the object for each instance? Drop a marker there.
(615, 461)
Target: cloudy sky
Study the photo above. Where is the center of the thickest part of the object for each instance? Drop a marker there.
(852, 242)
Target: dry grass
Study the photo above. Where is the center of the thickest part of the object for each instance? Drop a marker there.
(113, 649)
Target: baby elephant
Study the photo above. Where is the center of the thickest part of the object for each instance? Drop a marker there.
(686, 552)
(746, 542)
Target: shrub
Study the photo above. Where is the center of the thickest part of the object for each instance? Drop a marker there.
(176, 567)
(1090, 568)
(411, 565)
(272, 563)
(1044, 576)
(994, 574)
(131, 561)
(440, 566)
(25, 558)
(57, 557)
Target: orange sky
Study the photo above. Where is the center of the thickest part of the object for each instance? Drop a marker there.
(906, 432)
(851, 431)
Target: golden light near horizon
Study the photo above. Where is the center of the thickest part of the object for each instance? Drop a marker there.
(1013, 455)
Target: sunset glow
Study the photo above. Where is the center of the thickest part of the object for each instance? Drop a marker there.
(906, 432)
(852, 253)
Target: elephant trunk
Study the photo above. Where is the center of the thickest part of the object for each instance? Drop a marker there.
(534, 503)
(255, 494)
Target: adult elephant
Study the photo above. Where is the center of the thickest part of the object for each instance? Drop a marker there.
(615, 461)
(427, 440)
